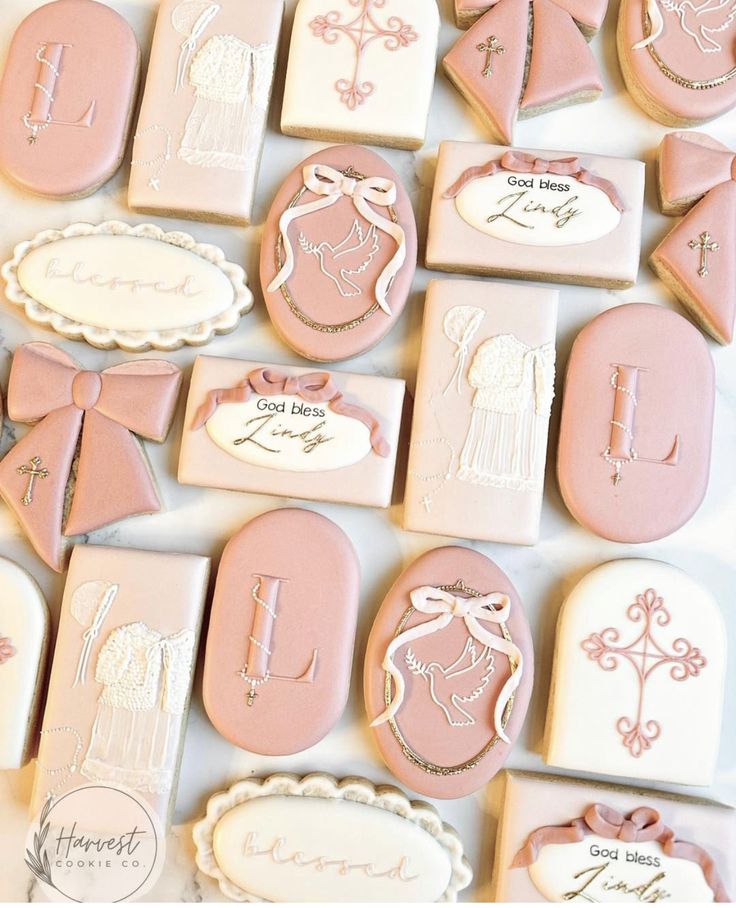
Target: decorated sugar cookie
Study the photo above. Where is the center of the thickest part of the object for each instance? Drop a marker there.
(136, 288)
(24, 630)
(525, 57)
(635, 441)
(52, 487)
(696, 179)
(448, 673)
(361, 70)
(566, 840)
(287, 839)
(338, 254)
(66, 98)
(678, 58)
(640, 661)
(280, 642)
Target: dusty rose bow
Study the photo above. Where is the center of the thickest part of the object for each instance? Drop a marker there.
(643, 825)
(113, 481)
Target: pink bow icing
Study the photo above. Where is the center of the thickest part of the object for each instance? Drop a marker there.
(520, 162)
(315, 387)
(691, 164)
(643, 825)
(107, 409)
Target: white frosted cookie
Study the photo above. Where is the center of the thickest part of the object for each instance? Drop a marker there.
(639, 676)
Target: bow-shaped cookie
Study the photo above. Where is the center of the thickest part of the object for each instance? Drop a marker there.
(49, 389)
(697, 178)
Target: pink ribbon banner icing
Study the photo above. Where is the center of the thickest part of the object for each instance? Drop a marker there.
(49, 389)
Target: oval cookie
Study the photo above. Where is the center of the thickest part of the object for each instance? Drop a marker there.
(339, 254)
(67, 98)
(317, 839)
(24, 625)
(448, 672)
(635, 438)
(280, 643)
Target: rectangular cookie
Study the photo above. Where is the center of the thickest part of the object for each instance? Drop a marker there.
(326, 436)
(562, 839)
(548, 216)
(121, 678)
(481, 412)
(202, 121)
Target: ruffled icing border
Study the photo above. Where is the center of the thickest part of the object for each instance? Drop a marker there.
(320, 785)
(131, 341)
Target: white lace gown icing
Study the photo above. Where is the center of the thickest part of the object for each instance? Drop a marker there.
(145, 678)
(231, 82)
(505, 444)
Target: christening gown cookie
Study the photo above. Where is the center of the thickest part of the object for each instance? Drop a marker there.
(319, 839)
(678, 58)
(448, 673)
(324, 436)
(122, 674)
(566, 840)
(81, 466)
(638, 683)
(66, 98)
(203, 116)
(484, 391)
(339, 253)
(635, 437)
(136, 288)
(281, 634)
(361, 70)
(524, 58)
(696, 259)
(536, 215)
(24, 630)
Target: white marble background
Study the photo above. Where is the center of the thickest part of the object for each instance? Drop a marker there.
(201, 521)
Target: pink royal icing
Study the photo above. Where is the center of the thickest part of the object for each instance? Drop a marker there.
(7, 650)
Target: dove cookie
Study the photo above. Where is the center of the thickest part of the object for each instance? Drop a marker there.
(695, 260)
(338, 254)
(678, 59)
(635, 438)
(122, 673)
(361, 70)
(24, 631)
(66, 98)
(448, 673)
(638, 682)
(202, 121)
(523, 58)
(565, 840)
(281, 635)
(548, 216)
(481, 412)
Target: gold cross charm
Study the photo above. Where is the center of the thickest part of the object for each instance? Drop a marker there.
(705, 244)
(490, 47)
(33, 471)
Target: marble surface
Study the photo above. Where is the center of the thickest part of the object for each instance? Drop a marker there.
(201, 521)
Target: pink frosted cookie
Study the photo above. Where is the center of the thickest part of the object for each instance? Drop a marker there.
(635, 439)
(121, 678)
(678, 59)
(203, 117)
(566, 840)
(696, 259)
(448, 673)
(524, 58)
(67, 98)
(111, 480)
(361, 70)
(339, 253)
(536, 215)
(325, 436)
(481, 412)
(587, 15)
(281, 635)
(24, 632)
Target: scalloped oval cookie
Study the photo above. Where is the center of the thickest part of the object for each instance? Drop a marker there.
(137, 288)
(339, 254)
(448, 672)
